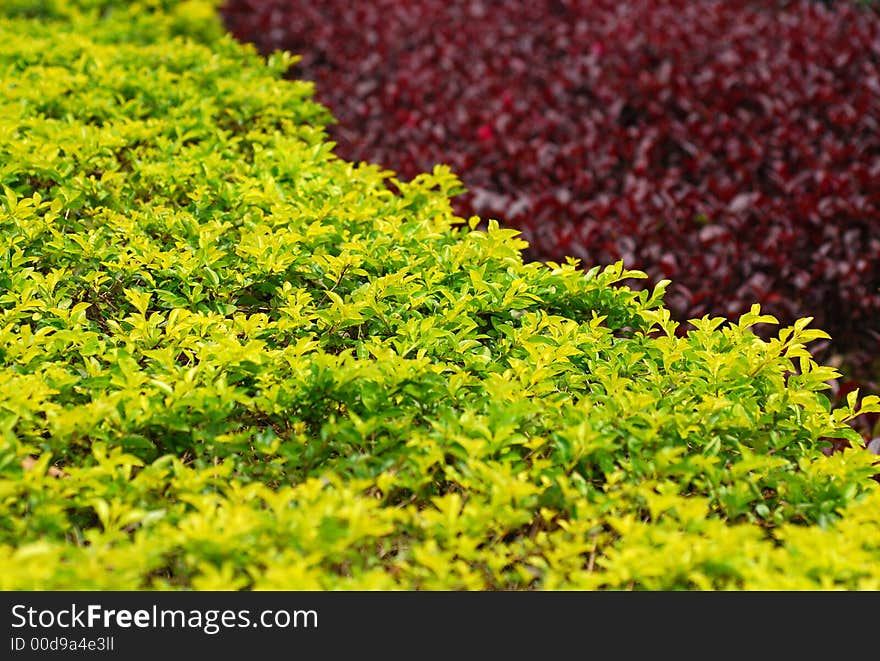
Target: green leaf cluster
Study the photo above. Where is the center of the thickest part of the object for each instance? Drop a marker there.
(231, 360)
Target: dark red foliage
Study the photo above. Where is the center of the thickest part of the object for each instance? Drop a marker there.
(731, 146)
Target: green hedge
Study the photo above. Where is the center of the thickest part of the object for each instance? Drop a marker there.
(229, 359)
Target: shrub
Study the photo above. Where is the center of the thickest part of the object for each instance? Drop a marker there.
(731, 147)
(231, 359)
(142, 21)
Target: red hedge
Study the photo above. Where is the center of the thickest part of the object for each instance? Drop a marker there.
(731, 146)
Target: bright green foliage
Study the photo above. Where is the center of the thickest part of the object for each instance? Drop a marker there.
(259, 366)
